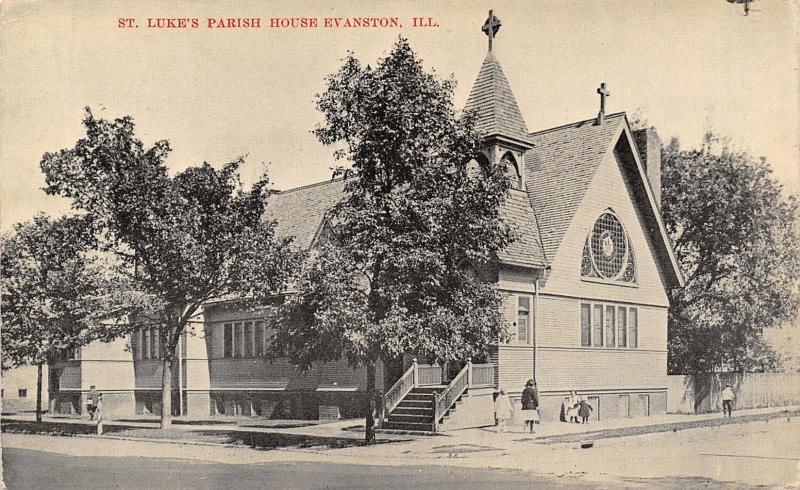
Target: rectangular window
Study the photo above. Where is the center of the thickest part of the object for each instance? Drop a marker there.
(22, 393)
(259, 341)
(146, 350)
(155, 343)
(228, 340)
(623, 407)
(610, 326)
(597, 321)
(633, 320)
(249, 340)
(183, 345)
(238, 342)
(138, 336)
(586, 325)
(523, 319)
(622, 327)
(644, 405)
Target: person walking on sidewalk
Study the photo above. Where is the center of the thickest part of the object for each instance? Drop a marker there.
(530, 405)
(727, 400)
(92, 402)
(502, 410)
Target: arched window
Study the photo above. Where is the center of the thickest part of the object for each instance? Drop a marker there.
(475, 167)
(607, 252)
(512, 170)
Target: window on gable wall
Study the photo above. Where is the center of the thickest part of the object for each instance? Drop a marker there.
(608, 252)
(606, 325)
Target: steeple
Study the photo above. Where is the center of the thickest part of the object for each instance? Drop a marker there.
(497, 115)
(494, 104)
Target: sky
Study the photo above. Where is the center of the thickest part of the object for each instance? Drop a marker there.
(216, 94)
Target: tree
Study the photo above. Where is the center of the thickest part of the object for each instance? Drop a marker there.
(185, 240)
(737, 241)
(398, 271)
(55, 293)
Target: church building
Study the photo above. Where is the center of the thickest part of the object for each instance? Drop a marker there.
(584, 287)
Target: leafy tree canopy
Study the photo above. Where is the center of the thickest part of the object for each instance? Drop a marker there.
(55, 291)
(398, 271)
(736, 238)
(185, 240)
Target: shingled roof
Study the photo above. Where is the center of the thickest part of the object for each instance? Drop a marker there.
(559, 169)
(493, 102)
(526, 250)
(299, 213)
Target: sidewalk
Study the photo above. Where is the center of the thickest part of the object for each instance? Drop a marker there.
(755, 447)
(255, 433)
(551, 433)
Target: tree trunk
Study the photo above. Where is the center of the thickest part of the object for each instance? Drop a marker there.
(166, 392)
(369, 432)
(39, 393)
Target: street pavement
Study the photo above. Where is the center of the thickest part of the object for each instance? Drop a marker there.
(27, 469)
(764, 452)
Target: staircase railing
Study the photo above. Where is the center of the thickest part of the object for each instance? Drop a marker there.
(454, 390)
(400, 389)
(482, 375)
(472, 375)
(429, 375)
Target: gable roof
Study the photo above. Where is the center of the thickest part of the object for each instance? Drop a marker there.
(526, 250)
(558, 172)
(300, 213)
(493, 102)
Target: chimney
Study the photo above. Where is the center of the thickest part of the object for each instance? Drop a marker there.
(649, 145)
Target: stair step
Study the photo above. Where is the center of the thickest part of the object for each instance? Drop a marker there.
(419, 396)
(407, 432)
(428, 389)
(415, 419)
(413, 410)
(408, 426)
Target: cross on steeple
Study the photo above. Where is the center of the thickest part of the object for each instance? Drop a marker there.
(490, 27)
(603, 94)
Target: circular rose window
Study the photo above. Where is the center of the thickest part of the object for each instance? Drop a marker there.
(607, 253)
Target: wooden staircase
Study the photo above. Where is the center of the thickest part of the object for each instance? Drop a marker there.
(415, 411)
(419, 402)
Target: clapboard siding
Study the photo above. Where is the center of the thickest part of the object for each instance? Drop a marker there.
(609, 189)
(593, 369)
(280, 375)
(515, 367)
(70, 375)
(559, 323)
(509, 310)
(149, 374)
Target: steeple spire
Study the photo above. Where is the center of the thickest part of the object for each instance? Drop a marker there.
(491, 98)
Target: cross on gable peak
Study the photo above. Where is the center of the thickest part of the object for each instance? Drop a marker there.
(603, 91)
(491, 26)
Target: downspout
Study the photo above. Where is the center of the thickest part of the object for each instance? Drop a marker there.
(539, 275)
(535, 321)
(180, 377)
